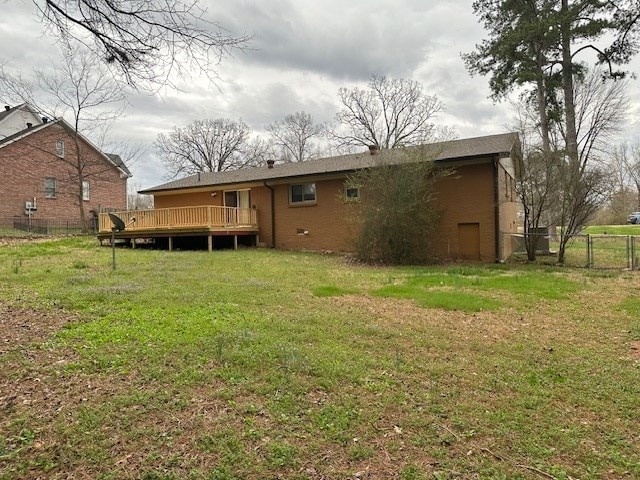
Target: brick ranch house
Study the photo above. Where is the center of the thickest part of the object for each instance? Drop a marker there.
(304, 206)
(40, 176)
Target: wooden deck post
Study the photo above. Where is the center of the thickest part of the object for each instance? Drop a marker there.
(235, 242)
(170, 243)
(210, 243)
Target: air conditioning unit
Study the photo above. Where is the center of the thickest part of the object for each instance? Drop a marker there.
(30, 206)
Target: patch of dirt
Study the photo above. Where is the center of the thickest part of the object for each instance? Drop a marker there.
(9, 241)
(21, 327)
(24, 333)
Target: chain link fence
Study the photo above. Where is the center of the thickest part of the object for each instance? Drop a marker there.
(590, 251)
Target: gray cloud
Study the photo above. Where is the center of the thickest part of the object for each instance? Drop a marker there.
(302, 52)
(344, 40)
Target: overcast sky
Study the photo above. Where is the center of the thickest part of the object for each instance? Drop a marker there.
(302, 52)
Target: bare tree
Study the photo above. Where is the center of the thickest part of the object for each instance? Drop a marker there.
(136, 201)
(621, 198)
(256, 151)
(633, 169)
(145, 40)
(81, 89)
(600, 109)
(552, 188)
(390, 113)
(208, 146)
(537, 185)
(294, 136)
(626, 166)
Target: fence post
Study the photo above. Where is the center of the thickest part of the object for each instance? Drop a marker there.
(633, 253)
(589, 252)
(629, 258)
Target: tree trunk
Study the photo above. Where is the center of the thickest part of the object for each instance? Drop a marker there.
(567, 85)
(572, 177)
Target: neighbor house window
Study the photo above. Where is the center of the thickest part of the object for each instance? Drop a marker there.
(351, 194)
(85, 190)
(60, 148)
(303, 193)
(50, 185)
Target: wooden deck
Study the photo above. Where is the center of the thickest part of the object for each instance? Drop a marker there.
(206, 220)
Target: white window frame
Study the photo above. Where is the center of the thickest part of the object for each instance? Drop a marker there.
(60, 148)
(86, 193)
(350, 198)
(304, 200)
(47, 188)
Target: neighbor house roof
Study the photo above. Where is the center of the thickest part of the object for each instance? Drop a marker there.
(117, 161)
(23, 106)
(114, 159)
(23, 133)
(492, 145)
(7, 111)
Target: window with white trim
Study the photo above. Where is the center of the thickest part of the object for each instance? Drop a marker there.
(85, 190)
(351, 193)
(50, 187)
(60, 148)
(302, 193)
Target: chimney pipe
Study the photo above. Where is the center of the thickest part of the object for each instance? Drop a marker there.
(270, 163)
(7, 107)
(29, 124)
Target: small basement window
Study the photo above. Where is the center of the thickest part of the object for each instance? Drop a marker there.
(303, 193)
(351, 194)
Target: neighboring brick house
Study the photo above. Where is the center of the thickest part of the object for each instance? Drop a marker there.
(304, 206)
(39, 161)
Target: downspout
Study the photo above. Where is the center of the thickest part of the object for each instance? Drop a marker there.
(273, 215)
(496, 208)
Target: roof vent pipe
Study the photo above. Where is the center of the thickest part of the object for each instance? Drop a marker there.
(45, 119)
(270, 163)
(29, 124)
(374, 149)
(7, 107)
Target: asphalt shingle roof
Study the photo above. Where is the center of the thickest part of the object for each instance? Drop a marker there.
(442, 152)
(117, 161)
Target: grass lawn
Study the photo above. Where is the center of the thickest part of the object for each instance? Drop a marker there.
(257, 364)
(613, 230)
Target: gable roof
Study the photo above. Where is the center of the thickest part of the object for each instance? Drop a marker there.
(23, 106)
(24, 132)
(114, 159)
(117, 161)
(6, 112)
(487, 146)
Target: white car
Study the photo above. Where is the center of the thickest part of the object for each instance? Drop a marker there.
(634, 218)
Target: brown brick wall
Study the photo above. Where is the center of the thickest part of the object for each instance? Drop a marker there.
(508, 210)
(319, 226)
(466, 196)
(25, 164)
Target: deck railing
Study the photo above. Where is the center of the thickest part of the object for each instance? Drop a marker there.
(206, 216)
